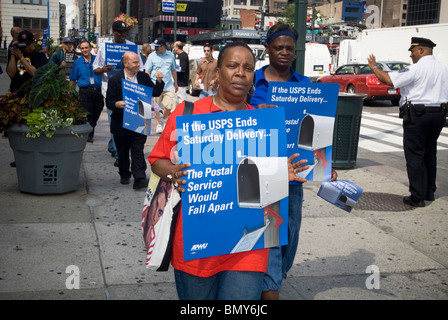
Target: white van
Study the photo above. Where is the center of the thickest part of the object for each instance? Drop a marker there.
(317, 60)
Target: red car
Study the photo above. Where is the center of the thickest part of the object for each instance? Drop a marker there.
(359, 78)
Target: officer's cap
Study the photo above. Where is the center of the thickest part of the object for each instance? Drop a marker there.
(423, 42)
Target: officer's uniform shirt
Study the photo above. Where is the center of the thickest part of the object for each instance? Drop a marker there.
(424, 82)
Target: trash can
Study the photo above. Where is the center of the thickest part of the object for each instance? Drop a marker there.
(347, 125)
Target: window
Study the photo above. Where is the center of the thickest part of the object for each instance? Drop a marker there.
(35, 2)
(30, 23)
(346, 70)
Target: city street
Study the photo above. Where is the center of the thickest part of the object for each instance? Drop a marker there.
(382, 250)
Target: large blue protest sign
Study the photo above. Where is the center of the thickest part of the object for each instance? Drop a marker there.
(310, 110)
(114, 54)
(237, 186)
(138, 109)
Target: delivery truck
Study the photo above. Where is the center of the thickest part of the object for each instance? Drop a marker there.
(392, 44)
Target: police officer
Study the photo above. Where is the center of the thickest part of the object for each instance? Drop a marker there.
(424, 96)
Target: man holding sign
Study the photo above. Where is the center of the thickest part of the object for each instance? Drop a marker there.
(127, 140)
(106, 70)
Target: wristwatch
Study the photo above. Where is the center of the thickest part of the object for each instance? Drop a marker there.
(376, 67)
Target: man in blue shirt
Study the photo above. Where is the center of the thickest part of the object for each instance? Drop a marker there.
(89, 85)
(163, 60)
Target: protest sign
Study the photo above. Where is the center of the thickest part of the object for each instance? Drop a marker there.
(237, 185)
(310, 110)
(137, 110)
(114, 54)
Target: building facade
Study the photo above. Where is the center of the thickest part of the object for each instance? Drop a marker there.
(391, 13)
(31, 15)
(235, 13)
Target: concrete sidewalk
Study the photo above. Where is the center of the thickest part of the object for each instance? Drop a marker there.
(97, 229)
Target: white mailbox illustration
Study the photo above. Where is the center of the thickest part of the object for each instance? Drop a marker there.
(315, 132)
(262, 181)
(144, 109)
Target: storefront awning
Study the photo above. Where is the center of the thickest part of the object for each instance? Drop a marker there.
(179, 19)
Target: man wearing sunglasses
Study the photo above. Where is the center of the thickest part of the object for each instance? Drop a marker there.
(206, 72)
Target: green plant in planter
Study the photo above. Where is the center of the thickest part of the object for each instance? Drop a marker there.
(44, 103)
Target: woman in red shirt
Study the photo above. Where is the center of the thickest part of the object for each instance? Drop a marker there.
(233, 276)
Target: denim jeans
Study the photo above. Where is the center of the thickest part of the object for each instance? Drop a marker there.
(282, 258)
(225, 285)
(206, 93)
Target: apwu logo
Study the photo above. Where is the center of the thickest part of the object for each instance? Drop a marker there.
(198, 247)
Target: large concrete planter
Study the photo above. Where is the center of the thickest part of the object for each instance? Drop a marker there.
(48, 165)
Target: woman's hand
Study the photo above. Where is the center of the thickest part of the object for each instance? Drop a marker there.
(168, 171)
(296, 167)
(334, 175)
(264, 106)
(177, 172)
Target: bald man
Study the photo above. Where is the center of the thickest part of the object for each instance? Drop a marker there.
(15, 37)
(128, 141)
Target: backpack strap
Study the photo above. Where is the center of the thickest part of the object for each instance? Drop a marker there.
(189, 106)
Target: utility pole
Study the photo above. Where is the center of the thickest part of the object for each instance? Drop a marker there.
(89, 3)
(300, 26)
(175, 21)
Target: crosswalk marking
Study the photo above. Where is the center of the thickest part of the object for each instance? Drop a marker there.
(384, 133)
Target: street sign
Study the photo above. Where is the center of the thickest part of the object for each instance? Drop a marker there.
(182, 7)
(168, 5)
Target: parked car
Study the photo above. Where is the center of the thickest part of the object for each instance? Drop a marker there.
(192, 88)
(392, 65)
(359, 78)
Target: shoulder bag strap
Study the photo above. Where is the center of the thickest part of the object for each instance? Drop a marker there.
(189, 106)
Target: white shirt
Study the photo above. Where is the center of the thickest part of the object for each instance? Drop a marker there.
(133, 79)
(100, 61)
(424, 82)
